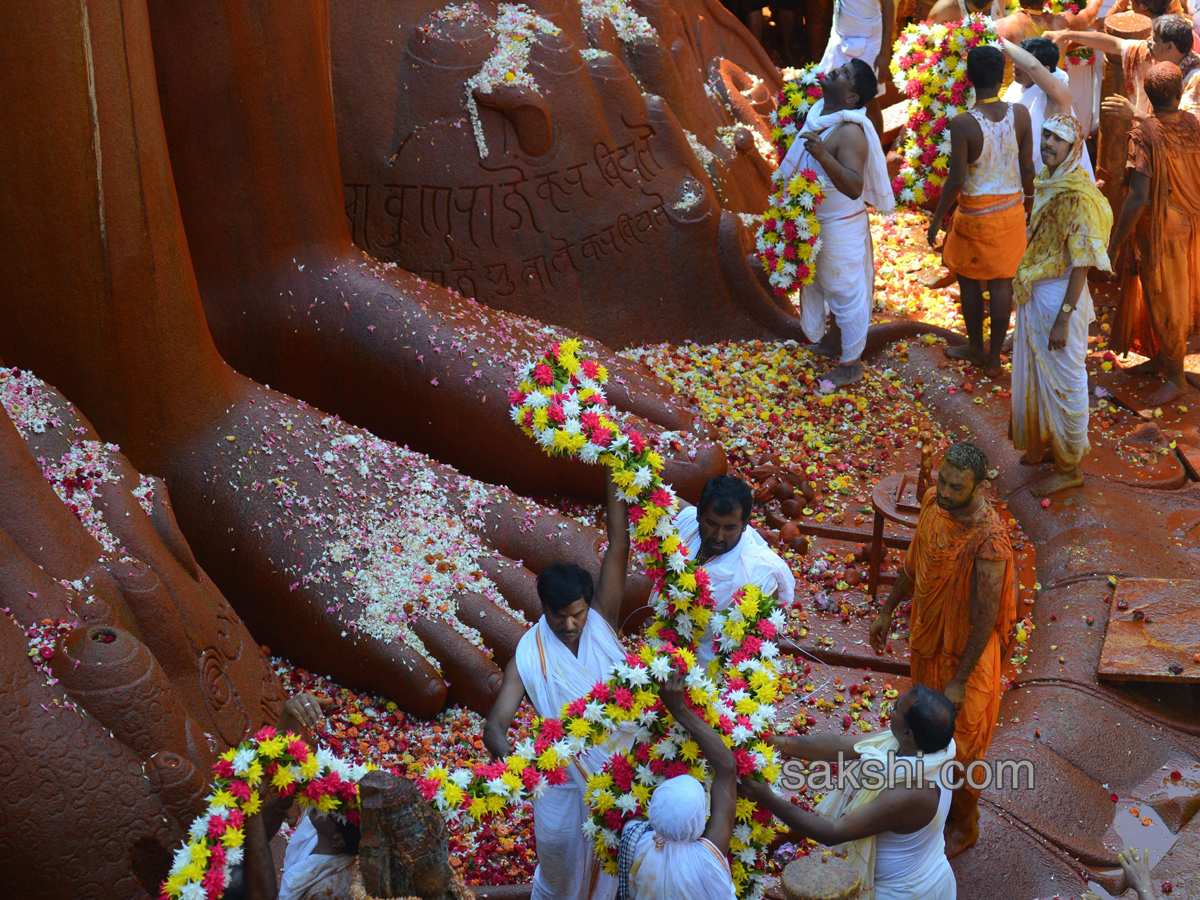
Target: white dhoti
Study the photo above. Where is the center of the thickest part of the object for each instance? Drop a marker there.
(1050, 387)
(553, 677)
(857, 33)
(844, 284)
(567, 865)
(933, 880)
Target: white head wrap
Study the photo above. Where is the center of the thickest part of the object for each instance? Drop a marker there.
(671, 860)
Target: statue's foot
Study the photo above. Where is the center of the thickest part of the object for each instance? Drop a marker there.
(847, 373)
(961, 834)
(973, 355)
(1058, 481)
(366, 560)
(1168, 393)
(414, 363)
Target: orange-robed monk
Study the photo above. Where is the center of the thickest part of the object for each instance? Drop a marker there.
(959, 570)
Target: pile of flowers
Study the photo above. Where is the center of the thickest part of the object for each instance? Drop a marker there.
(929, 66)
(787, 240)
(317, 780)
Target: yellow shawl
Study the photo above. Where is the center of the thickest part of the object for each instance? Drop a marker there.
(1071, 219)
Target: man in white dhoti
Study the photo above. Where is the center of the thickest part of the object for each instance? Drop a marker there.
(680, 854)
(733, 555)
(571, 648)
(890, 827)
(1069, 232)
(839, 144)
(1042, 87)
(862, 29)
(319, 861)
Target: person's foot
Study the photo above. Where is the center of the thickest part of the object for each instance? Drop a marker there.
(961, 834)
(845, 374)
(1058, 481)
(1168, 393)
(973, 355)
(825, 348)
(1149, 367)
(993, 368)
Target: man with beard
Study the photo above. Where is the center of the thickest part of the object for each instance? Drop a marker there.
(959, 570)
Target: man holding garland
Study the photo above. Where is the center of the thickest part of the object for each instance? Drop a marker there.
(840, 145)
(571, 648)
(732, 555)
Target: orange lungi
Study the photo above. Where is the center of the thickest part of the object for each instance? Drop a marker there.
(987, 237)
(940, 560)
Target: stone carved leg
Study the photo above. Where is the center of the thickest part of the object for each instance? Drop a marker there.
(313, 529)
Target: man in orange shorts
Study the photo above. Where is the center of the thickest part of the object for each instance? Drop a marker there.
(991, 162)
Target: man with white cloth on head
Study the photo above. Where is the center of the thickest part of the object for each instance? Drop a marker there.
(731, 554)
(1041, 86)
(682, 853)
(839, 144)
(890, 824)
(573, 646)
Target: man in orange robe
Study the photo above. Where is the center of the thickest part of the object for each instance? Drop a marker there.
(1162, 212)
(959, 570)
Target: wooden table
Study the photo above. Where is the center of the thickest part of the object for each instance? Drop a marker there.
(883, 498)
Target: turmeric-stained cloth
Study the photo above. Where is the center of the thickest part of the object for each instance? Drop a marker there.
(1162, 306)
(986, 239)
(1136, 62)
(940, 561)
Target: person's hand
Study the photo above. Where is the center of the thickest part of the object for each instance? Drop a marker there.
(956, 693)
(816, 148)
(1118, 106)
(935, 225)
(753, 789)
(301, 714)
(673, 694)
(883, 61)
(1137, 871)
(879, 631)
(1058, 333)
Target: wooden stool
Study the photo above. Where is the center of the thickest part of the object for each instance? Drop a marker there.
(891, 504)
(820, 876)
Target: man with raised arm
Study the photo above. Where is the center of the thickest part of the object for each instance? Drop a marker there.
(863, 30)
(959, 571)
(1042, 88)
(1161, 213)
(1171, 40)
(891, 832)
(678, 854)
(571, 648)
(991, 162)
(732, 555)
(840, 145)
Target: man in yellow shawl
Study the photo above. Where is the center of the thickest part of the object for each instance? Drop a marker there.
(1069, 232)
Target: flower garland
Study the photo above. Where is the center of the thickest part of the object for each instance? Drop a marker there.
(929, 66)
(787, 240)
(318, 780)
(1080, 56)
(559, 402)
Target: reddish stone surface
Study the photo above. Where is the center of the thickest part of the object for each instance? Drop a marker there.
(581, 200)
(1153, 631)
